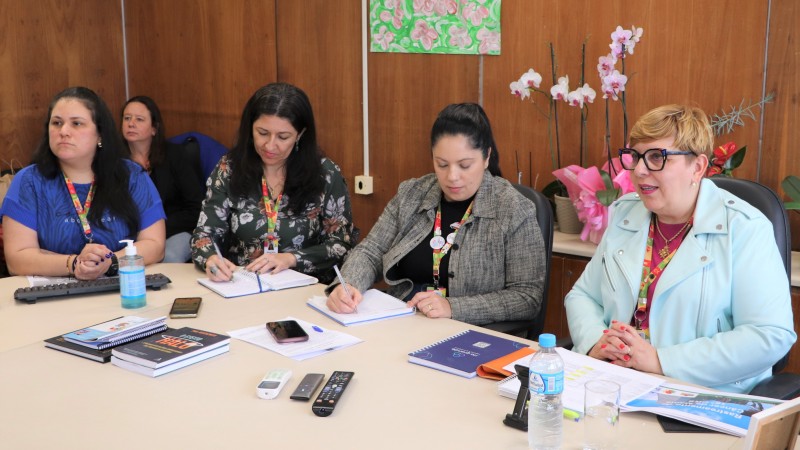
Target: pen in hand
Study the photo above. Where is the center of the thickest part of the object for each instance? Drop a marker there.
(344, 285)
(221, 260)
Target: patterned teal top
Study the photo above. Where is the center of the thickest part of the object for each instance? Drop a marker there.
(319, 236)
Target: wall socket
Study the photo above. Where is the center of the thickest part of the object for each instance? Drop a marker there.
(363, 185)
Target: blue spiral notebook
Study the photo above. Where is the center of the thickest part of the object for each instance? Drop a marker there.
(461, 354)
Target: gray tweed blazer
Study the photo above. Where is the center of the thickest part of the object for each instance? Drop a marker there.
(497, 262)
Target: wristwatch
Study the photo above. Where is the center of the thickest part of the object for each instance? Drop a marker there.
(114, 268)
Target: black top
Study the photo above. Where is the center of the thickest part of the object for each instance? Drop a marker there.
(418, 263)
(180, 185)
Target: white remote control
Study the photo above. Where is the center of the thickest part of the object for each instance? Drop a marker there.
(272, 383)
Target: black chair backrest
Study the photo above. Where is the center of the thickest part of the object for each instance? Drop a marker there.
(766, 201)
(544, 216)
(531, 329)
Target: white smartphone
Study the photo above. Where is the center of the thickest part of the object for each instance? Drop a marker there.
(272, 383)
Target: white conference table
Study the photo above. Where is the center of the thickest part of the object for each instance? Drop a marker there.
(50, 399)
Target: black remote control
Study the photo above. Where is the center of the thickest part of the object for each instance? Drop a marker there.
(308, 385)
(327, 399)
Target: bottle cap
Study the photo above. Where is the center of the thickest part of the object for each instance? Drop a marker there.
(130, 249)
(547, 340)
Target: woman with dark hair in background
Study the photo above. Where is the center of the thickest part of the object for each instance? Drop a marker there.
(461, 242)
(274, 202)
(66, 213)
(173, 168)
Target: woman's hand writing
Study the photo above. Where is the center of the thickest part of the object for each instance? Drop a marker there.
(340, 302)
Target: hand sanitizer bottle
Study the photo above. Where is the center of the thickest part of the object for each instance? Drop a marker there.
(131, 278)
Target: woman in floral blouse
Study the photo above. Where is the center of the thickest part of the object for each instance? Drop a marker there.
(274, 202)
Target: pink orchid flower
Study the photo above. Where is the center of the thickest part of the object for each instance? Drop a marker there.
(424, 34)
(560, 90)
(531, 79)
(519, 89)
(605, 64)
(614, 84)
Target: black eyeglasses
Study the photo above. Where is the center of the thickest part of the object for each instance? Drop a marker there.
(654, 158)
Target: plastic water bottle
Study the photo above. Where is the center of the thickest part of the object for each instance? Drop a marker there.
(546, 385)
(131, 278)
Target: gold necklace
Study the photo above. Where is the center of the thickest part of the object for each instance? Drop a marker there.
(664, 252)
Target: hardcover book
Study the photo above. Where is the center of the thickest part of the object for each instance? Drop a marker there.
(170, 347)
(171, 367)
(461, 354)
(248, 283)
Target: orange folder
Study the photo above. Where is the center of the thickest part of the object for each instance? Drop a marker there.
(493, 370)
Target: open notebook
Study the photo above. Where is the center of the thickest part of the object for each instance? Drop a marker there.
(376, 305)
(248, 283)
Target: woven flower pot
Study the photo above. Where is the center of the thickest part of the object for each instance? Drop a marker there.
(567, 216)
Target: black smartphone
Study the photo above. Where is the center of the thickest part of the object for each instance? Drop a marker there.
(285, 331)
(185, 307)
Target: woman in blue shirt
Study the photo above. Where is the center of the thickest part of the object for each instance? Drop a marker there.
(66, 213)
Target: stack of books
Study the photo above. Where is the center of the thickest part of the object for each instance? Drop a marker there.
(169, 350)
(97, 341)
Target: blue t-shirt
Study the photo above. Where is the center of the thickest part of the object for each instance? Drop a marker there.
(45, 206)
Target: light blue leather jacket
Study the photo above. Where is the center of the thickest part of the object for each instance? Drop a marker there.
(721, 314)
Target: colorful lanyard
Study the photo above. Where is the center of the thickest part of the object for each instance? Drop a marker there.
(271, 211)
(83, 211)
(649, 277)
(441, 245)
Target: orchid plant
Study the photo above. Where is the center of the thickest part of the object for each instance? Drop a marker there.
(530, 83)
(591, 189)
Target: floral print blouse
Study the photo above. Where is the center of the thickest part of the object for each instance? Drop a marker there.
(319, 236)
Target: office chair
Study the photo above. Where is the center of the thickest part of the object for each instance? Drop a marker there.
(780, 385)
(530, 329)
(210, 151)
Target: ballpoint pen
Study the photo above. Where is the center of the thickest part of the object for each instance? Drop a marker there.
(221, 261)
(344, 285)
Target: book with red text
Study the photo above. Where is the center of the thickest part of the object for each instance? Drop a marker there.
(170, 347)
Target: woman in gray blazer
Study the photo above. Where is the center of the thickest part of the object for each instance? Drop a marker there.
(459, 243)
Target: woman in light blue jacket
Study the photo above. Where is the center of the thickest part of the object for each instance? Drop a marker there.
(687, 281)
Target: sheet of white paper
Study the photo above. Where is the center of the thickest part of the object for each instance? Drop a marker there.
(578, 369)
(320, 340)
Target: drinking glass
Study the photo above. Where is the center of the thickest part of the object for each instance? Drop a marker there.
(601, 415)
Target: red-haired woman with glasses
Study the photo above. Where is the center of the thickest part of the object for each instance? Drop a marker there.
(666, 290)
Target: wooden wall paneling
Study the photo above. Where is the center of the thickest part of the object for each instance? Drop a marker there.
(319, 50)
(782, 118)
(677, 61)
(200, 60)
(407, 91)
(46, 46)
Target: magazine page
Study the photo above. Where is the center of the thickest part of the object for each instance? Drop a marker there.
(721, 411)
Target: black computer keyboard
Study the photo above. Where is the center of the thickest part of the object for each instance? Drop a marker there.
(31, 294)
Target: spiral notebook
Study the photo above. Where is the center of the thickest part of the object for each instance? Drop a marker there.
(461, 354)
(248, 283)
